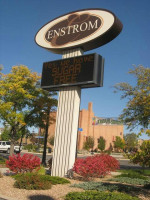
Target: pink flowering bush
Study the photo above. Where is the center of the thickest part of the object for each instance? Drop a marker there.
(95, 166)
(26, 163)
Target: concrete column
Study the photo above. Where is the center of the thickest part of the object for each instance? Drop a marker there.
(66, 125)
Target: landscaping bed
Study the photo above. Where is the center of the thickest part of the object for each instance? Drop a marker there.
(59, 191)
(28, 183)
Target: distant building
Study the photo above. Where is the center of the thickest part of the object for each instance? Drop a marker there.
(90, 125)
(97, 127)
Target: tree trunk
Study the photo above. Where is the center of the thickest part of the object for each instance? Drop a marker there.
(45, 140)
(13, 133)
(20, 142)
(12, 147)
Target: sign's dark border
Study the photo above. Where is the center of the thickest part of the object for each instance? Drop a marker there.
(106, 37)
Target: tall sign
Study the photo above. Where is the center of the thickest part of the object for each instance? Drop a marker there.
(71, 35)
(85, 29)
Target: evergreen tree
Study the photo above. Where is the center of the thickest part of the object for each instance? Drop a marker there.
(101, 143)
(89, 143)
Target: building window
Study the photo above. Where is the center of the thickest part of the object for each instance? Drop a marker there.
(120, 133)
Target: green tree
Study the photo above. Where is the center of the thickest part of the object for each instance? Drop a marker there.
(137, 111)
(131, 141)
(89, 143)
(119, 143)
(142, 157)
(43, 105)
(17, 91)
(6, 134)
(101, 144)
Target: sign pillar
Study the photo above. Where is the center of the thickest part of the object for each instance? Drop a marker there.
(66, 125)
(83, 29)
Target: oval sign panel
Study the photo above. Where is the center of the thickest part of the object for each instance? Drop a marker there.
(87, 29)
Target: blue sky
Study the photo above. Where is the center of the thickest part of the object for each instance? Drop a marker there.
(21, 19)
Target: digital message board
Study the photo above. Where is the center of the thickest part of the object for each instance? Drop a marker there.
(84, 71)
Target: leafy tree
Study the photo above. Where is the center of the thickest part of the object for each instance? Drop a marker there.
(118, 143)
(142, 157)
(89, 143)
(131, 141)
(43, 105)
(137, 111)
(101, 143)
(17, 91)
(5, 134)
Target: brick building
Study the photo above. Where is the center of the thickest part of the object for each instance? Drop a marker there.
(95, 127)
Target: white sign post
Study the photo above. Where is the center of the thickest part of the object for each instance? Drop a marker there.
(66, 126)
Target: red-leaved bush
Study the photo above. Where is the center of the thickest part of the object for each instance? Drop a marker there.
(95, 166)
(23, 164)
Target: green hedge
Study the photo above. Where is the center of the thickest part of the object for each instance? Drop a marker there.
(54, 179)
(94, 195)
(34, 181)
(145, 172)
(133, 181)
(99, 186)
(133, 175)
(30, 147)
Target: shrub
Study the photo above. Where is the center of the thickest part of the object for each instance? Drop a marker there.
(95, 186)
(89, 143)
(41, 171)
(119, 144)
(101, 143)
(133, 181)
(2, 160)
(99, 186)
(145, 172)
(31, 147)
(52, 179)
(95, 195)
(32, 182)
(55, 179)
(26, 163)
(95, 166)
(133, 175)
(142, 157)
(147, 186)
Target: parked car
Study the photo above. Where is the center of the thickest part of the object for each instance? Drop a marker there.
(5, 147)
